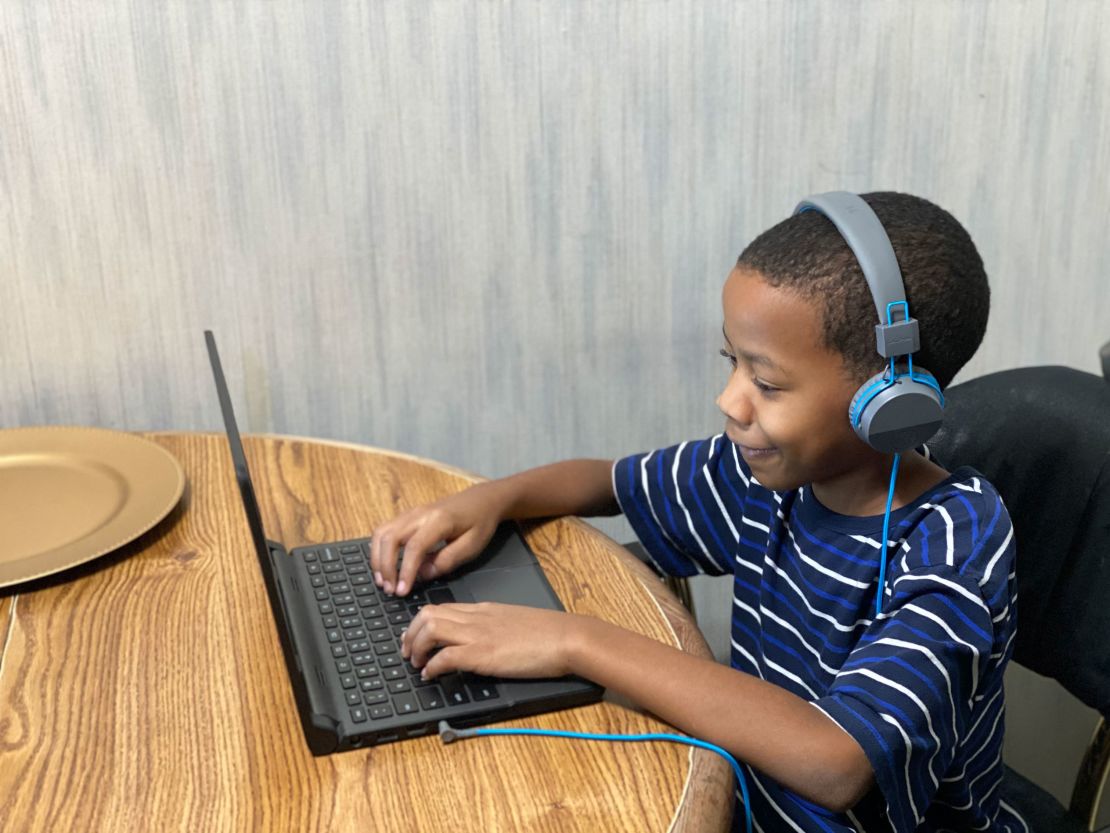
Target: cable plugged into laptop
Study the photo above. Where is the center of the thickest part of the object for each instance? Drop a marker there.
(449, 734)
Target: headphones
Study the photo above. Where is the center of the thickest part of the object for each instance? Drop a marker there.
(897, 409)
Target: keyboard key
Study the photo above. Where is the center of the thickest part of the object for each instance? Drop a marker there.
(454, 690)
(379, 712)
(353, 698)
(401, 617)
(350, 622)
(338, 578)
(431, 697)
(313, 569)
(358, 715)
(440, 596)
(348, 681)
(394, 673)
(372, 685)
(317, 581)
(367, 594)
(405, 704)
(344, 610)
(333, 567)
(347, 549)
(357, 659)
(394, 606)
(381, 636)
(365, 671)
(328, 554)
(345, 599)
(375, 624)
(310, 555)
(383, 648)
(322, 597)
(343, 665)
(389, 661)
(355, 569)
(482, 688)
(360, 581)
(335, 636)
(397, 686)
(354, 633)
(331, 621)
(338, 651)
(376, 698)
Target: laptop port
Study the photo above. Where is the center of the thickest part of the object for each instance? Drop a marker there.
(388, 738)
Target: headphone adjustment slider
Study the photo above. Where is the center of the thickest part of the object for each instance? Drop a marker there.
(897, 339)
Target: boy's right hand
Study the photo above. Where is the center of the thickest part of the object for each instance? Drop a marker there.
(465, 522)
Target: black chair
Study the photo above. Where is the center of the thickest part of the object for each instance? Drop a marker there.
(1041, 435)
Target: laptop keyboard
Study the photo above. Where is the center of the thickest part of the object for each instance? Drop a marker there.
(364, 627)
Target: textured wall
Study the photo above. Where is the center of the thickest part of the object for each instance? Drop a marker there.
(479, 231)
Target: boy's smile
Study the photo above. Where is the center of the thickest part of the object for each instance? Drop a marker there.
(786, 400)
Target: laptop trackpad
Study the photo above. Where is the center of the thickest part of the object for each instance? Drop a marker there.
(511, 585)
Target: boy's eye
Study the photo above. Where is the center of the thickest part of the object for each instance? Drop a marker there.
(731, 358)
(764, 387)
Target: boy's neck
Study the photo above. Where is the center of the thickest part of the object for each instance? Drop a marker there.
(862, 491)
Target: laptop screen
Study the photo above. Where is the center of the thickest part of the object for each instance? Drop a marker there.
(242, 473)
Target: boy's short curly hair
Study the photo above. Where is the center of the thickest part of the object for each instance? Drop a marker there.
(946, 285)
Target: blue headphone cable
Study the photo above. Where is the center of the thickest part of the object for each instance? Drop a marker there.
(449, 734)
(886, 535)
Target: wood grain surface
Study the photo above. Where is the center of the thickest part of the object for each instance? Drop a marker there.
(147, 691)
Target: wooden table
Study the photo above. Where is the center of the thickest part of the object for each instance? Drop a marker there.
(146, 690)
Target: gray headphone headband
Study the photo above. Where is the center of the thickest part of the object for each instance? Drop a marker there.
(867, 238)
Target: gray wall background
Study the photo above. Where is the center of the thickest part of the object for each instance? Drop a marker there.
(494, 233)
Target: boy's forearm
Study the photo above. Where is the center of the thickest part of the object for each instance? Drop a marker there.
(760, 723)
(572, 487)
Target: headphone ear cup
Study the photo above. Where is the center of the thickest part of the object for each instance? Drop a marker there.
(892, 416)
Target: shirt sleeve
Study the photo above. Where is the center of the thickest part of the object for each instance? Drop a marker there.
(684, 504)
(905, 693)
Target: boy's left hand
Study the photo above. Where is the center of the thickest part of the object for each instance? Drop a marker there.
(495, 640)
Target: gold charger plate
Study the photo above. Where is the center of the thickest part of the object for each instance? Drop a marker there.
(69, 495)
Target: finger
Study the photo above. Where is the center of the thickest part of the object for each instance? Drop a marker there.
(407, 538)
(415, 553)
(438, 627)
(384, 546)
(444, 662)
(377, 545)
(377, 539)
(459, 551)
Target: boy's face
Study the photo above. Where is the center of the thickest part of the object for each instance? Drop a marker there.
(786, 401)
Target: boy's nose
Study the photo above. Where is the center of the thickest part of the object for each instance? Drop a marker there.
(734, 404)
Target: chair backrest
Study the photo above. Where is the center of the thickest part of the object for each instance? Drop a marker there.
(1041, 435)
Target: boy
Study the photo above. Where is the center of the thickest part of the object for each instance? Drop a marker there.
(845, 719)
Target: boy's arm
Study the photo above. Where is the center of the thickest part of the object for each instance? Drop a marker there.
(760, 723)
(572, 487)
(466, 521)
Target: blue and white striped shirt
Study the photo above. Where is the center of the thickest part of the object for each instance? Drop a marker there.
(919, 687)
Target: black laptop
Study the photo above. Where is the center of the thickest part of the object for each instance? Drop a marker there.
(341, 634)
